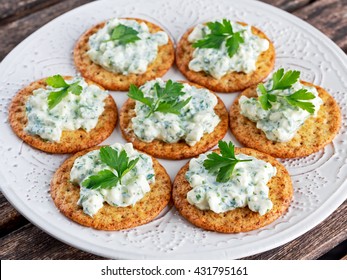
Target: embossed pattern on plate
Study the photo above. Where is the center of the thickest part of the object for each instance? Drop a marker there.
(319, 179)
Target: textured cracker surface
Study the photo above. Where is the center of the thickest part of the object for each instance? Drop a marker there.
(240, 219)
(70, 141)
(180, 150)
(311, 137)
(230, 82)
(115, 81)
(65, 196)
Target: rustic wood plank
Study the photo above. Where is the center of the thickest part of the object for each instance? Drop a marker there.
(22, 28)
(10, 219)
(315, 242)
(30, 242)
(14, 9)
(344, 258)
(289, 6)
(329, 16)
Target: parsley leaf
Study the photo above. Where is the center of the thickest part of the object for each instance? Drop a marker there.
(55, 97)
(266, 97)
(281, 81)
(302, 94)
(166, 98)
(124, 35)
(221, 32)
(119, 162)
(223, 164)
(106, 179)
(284, 81)
(233, 43)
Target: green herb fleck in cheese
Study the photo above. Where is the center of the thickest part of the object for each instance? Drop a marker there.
(280, 122)
(72, 113)
(247, 186)
(133, 186)
(128, 58)
(195, 119)
(217, 62)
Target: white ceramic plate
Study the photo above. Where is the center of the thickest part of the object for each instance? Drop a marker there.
(319, 180)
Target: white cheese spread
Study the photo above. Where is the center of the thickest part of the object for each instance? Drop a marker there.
(195, 119)
(128, 58)
(217, 62)
(281, 122)
(247, 186)
(133, 186)
(72, 113)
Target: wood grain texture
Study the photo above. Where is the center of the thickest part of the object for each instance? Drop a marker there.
(330, 17)
(22, 17)
(29, 242)
(286, 5)
(23, 27)
(13, 9)
(10, 219)
(315, 242)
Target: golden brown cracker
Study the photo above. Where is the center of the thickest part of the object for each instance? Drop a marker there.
(180, 150)
(233, 81)
(115, 81)
(240, 219)
(310, 138)
(65, 196)
(70, 141)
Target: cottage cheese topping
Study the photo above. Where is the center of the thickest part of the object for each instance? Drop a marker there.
(281, 122)
(133, 187)
(196, 119)
(72, 113)
(125, 59)
(217, 62)
(247, 187)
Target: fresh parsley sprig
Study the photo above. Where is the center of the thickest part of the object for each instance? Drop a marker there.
(282, 81)
(106, 179)
(124, 35)
(57, 81)
(221, 32)
(166, 98)
(223, 164)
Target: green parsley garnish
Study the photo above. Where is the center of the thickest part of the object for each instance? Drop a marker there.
(223, 164)
(124, 35)
(106, 179)
(281, 81)
(166, 98)
(221, 32)
(55, 97)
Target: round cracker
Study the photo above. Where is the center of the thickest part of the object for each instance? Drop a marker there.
(115, 81)
(70, 141)
(65, 196)
(240, 219)
(181, 149)
(310, 138)
(233, 81)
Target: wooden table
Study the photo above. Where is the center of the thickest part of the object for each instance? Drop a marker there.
(22, 240)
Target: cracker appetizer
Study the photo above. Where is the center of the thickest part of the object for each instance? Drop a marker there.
(285, 117)
(63, 114)
(232, 190)
(225, 56)
(173, 120)
(111, 188)
(121, 52)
